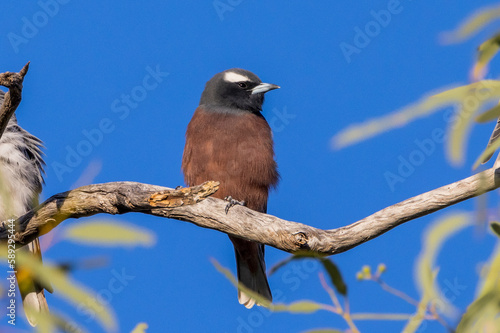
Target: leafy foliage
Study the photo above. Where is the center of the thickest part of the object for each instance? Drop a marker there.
(330, 267)
(71, 290)
(483, 312)
(101, 233)
(473, 24)
(467, 100)
(106, 233)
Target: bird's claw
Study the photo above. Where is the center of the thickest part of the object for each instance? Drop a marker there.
(232, 202)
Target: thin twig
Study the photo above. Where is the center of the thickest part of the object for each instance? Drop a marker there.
(395, 291)
(338, 308)
(330, 292)
(380, 316)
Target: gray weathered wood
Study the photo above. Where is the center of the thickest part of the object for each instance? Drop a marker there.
(13, 81)
(193, 205)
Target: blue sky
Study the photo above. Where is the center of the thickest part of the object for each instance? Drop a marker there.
(87, 57)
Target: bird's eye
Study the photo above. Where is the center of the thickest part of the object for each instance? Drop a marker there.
(242, 84)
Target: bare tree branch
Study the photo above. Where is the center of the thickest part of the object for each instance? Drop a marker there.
(13, 81)
(192, 205)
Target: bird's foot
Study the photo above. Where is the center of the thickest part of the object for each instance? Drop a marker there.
(232, 202)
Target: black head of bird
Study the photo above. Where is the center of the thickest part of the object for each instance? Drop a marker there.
(235, 90)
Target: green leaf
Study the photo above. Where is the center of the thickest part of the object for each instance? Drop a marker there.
(480, 314)
(472, 24)
(489, 115)
(491, 282)
(106, 233)
(486, 52)
(470, 97)
(416, 320)
(335, 276)
(495, 226)
(370, 128)
(298, 307)
(79, 295)
(140, 328)
(49, 322)
(433, 240)
(487, 152)
(483, 312)
(425, 271)
(330, 267)
(458, 134)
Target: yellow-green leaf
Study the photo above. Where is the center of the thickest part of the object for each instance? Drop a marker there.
(416, 320)
(49, 322)
(470, 98)
(107, 233)
(71, 290)
(458, 134)
(360, 132)
(483, 312)
(472, 24)
(487, 152)
(303, 307)
(427, 105)
(434, 239)
(140, 328)
(491, 282)
(486, 52)
(489, 115)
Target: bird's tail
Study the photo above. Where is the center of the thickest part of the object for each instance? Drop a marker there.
(32, 293)
(494, 136)
(251, 270)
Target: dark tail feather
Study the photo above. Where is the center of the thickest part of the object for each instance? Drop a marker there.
(251, 270)
(494, 136)
(32, 293)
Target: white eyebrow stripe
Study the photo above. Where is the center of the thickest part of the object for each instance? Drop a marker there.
(235, 77)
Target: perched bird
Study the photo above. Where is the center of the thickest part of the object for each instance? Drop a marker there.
(21, 179)
(230, 141)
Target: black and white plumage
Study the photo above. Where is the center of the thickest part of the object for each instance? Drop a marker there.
(21, 179)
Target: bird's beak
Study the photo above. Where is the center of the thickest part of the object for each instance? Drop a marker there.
(263, 88)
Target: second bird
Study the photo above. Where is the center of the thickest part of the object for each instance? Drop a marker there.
(229, 140)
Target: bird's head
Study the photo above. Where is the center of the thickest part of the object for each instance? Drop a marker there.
(235, 89)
